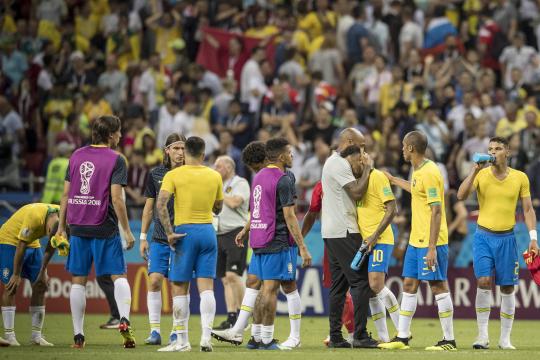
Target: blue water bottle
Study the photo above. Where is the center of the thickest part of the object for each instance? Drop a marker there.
(482, 158)
(360, 257)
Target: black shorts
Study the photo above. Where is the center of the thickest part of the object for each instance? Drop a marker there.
(230, 257)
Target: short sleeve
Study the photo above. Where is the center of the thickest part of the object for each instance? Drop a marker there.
(285, 191)
(219, 193)
(315, 205)
(150, 187)
(119, 175)
(525, 189)
(383, 188)
(30, 221)
(341, 171)
(168, 183)
(242, 190)
(432, 188)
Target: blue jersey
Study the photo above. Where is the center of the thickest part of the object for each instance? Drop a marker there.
(153, 185)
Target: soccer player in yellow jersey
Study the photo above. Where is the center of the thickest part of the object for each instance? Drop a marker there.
(198, 191)
(427, 254)
(21, 257)
(375, 211)
(495, 252)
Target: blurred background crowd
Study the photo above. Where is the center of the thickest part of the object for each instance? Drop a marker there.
(239, 70)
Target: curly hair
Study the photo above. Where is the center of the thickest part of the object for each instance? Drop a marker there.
(254, 153)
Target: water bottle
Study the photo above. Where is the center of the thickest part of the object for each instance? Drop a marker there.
(360, 257)
(481, 158)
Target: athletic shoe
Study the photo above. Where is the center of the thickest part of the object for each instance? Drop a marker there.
(3, 342)
(290, 343)
(226, 324)
(254, 344)
(273, 345)
(396, 343)
(339, 344)
(78, 341)
(206, 345)
(228, 336)
(12, 340)
(443, 345)
(127, 333)
(366, 343)
(481, 344)
(153, 339)
(326, 341)
(507, 346)
(172, 338)
(40, 341)
(176, 347)
(111, 324)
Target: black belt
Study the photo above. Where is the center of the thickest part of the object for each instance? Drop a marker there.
(495, 231)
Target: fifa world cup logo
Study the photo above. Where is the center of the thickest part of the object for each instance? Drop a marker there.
(87, 170)
(257, 192)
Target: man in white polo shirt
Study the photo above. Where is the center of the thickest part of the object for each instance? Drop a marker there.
(342, 239)
(231, 258)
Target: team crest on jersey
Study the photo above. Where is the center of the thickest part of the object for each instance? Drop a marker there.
(5, 273)
(289, 268)
(228, 189)
(25, 232)
(414, 182)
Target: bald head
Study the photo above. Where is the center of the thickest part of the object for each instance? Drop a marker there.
(225, 166)
(417, 140)
(351, 136)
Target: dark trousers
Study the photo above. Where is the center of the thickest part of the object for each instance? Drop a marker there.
(341, 252)
(107, 285)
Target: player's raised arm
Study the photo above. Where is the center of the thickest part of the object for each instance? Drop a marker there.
(466, 186)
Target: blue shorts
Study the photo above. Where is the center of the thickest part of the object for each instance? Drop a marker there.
(415, 267)
(159, 256)
(294, 259)
(32, 261)
(106, 254)
(195, 255)
(379, 259)
(276, 266)
(496, 254)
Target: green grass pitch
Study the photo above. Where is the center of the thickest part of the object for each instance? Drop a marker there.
(106, 344)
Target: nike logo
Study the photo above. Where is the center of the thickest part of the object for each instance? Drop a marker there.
(160, 181)
(373, 265)
(424, 274)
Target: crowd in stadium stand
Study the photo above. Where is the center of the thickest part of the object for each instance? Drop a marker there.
(234, 71)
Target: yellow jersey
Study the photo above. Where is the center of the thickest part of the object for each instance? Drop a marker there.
(27, 224)
(427, 188)
(371, 208)
(498, 198)
(195, 190)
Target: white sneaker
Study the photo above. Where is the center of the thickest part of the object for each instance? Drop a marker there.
(481, 344)
(290, 343)
(3, 342)
(12, 340)
(206, 345)
(228, 336)
(507, 346)
(40, 341)
(176, 347)
(350, 338)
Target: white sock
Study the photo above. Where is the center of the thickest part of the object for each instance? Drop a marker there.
(184, 337)
(77, 302)
(267, 334)
(446, 314)
(508, 309)
(8, 316)
(390, 302)
(295, 313)
(208, 311)
(248, 303)
(406, 313)
(122, 296)
(37, 314)
(483, 308)
(181, 317)
(378, 315)
(256, 332)
(153, 301)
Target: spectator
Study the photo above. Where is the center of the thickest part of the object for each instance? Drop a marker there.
(169, 118)
(11, 129)
(328, 60)
(72, 134)
(277, 111)
(476, 144)
(205, 79)
(14, 63)
(166, 29)
(437, 133)
(96, 105)
(323, 127)
(137, 176)
(357, 36)
(252, 85)
(312, 168)
(530, 136)
(226, 147)
(56, 174)
(114, 83)
(510, 124)
(411, 35)
(238, 123)
(456, 115)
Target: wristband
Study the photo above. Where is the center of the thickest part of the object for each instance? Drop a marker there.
(533, 235)
(142, 236)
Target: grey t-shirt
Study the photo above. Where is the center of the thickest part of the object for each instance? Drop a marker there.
(230, 219)
(338, 215)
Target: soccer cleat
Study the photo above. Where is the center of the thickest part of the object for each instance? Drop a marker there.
(153, 339)
(206, 346)
(127, 333)
(326, 341)
(40, 341)
(176, 347)
(396, 343)
(254, 344)
(272, 345)
(3, 342)
(228, 336)
(339, 344)
(78, 341)
(507, 346)
(366, 342)
(290, 343)
(173, 337)
(443, 345)
(112, 323)
(226, 324)
(481, 344)
(12, 340)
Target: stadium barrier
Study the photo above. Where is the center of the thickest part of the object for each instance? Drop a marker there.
(314, 296)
